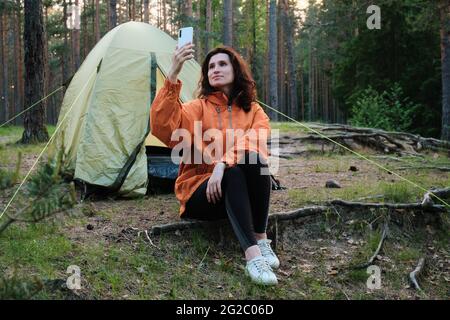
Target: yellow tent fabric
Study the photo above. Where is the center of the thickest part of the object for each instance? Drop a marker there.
(105, 113)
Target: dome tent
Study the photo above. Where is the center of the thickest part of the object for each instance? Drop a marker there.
(104, 118)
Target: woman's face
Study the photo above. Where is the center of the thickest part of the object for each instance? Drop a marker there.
(220, 72)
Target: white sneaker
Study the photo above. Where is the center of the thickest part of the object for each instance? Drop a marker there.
(260, 272)
(267, 252)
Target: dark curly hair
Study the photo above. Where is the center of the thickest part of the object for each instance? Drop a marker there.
(244, 87)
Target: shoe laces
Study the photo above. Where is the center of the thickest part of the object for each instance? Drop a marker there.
(262, 265)
(265, 248)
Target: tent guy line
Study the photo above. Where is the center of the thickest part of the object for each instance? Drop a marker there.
(356, 153)
(33, 105)
(46, 146)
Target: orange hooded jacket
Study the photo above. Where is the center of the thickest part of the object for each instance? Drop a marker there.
(196, 118)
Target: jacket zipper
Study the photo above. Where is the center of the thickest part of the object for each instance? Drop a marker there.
(220, 118)
(229, 113)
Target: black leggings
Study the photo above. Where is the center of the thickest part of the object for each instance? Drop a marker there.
(245, 200)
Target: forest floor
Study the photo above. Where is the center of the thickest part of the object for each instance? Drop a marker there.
(318, 254)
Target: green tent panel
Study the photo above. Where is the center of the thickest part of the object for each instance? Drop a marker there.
(104, 118)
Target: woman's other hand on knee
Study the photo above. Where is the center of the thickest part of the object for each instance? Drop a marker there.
(214, 189)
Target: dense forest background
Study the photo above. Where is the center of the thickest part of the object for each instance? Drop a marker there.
(312, 60)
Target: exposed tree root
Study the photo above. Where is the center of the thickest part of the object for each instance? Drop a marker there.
(413, 275)
(441, 193)
(445, 169)
(411, 206)
(191, 224)
(377, 251)
(400, 143)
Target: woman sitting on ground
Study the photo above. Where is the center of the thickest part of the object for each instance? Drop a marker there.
(222, 184)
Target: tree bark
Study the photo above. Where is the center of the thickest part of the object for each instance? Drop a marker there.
(293, 108)
(35, 130)
(133, 10)
(19, 62)
(97, 21)
(198, 33)
(5, 62)
(49, 113)
(113, 13)
(281, 63)
(146, 11)
(228, 22)
(164, 13)
(273, 44)
(445, 56)
(76, 38)
(16, 35)
(208, 21)
(65, 64)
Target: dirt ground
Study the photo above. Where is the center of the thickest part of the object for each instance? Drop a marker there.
(316, 252)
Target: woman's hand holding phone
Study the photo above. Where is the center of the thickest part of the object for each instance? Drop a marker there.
(182, 54)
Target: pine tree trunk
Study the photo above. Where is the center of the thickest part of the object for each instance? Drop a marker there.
(5, 62)
(273, 44)
(302, 94)
(252, 58)
(291, 61)
(76, 38)
(281, 64)
(49, 114)
(2, 99)
(133, 10)
(208, 8)
(164, 12)
(97, 21)
(34, 120)
(228, 22)
(445, 56)
(64, 63)
(266, 65)
(19, 62)
(146, 11)
(198, 32)
(15, 30)
(316, 85)
(13, 73)
(112, 14)
(310, 80)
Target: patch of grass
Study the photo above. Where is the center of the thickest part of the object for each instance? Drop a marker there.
(286, 127)
(320, 194)
(408, 254)
(357, 275)
(37, 247)
(315, 289)
(10, 149)
(399, 192)
(364, 252)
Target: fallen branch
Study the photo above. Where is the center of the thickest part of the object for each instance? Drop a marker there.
(180, 225)
(413, 275)
(416, 141)
(411, 206)
(377, 251)
(445, 169)
(191, 224)
(298, 213)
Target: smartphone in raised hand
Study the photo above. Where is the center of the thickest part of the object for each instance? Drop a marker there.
(185, 35)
